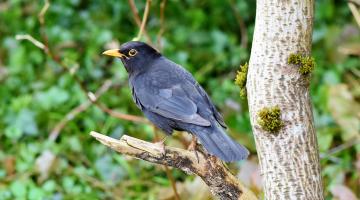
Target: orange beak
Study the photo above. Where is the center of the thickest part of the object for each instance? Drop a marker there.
(114, 53)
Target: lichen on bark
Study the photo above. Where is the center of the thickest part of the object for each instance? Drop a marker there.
(270, 119)
(240, 79)
(305, 63)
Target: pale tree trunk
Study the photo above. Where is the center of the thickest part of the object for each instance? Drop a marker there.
(289, 159)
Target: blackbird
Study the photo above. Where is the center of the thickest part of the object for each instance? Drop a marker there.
(172, 99)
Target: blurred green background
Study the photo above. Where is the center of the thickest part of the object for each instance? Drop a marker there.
(37, 93)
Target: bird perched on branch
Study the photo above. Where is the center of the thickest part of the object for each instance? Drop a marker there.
(171, 98)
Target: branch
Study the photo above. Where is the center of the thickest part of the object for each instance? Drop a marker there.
(355, 12)
(241, 23)
(219, 179)
(144, 19)
(30, 38)
(162, 24)
(137, 19)
(116, 114)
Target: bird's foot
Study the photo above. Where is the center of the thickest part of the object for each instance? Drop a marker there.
(161, 146)
(192, 147)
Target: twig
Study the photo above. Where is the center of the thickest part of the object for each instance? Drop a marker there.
(74, 112)
(144, 19)
(357, 2)
(166, 168)
(138, 20)
(220, 181)
(35, 42)
(172, 181)
(162, 24)
(341, 147)
(43, 11)
(355, 12)
(120, 115)
(241, 23)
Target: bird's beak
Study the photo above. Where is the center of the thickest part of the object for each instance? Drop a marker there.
(114, 53)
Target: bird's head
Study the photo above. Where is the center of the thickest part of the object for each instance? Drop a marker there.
(136, 56)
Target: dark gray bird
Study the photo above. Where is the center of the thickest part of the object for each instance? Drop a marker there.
(170, 97)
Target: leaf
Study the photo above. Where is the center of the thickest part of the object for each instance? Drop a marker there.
(18, 189)
(49, 186)
(23, 123)
(36, 193)
(325, 138)
(52, 98)
(109, 171)
(13, 133)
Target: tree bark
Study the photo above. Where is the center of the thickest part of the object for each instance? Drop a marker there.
(289, 159)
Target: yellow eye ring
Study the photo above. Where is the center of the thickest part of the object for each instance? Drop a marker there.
(132, 52)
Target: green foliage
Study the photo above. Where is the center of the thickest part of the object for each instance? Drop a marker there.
(306, 64)
(240, 79)
(36, 93)
(269, 118)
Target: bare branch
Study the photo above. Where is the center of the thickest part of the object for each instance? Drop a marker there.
(220, 181)
(43, 11)
(355, 12)
(341, 147)
(357, 2)
(35, 42)
(120, 115)
(166, 168)
(144, 19)
(241, 23)
(137, 19)
(162, 24)
(172, 181)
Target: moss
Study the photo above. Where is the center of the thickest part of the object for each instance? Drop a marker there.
(240, 79)
(269, 119)
(306, 63)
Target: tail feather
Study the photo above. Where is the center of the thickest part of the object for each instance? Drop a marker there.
(217, 142)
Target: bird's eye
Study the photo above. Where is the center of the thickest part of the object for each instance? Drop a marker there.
(132, 52)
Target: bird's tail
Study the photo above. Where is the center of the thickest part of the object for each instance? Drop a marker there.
(218, 143)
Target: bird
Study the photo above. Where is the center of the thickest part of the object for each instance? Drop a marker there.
(171, 98)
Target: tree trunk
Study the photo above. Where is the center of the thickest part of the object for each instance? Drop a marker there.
(289, 159)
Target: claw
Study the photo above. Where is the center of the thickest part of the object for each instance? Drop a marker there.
(192, 147)
(161, 145)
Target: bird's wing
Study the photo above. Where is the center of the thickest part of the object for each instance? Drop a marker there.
(204, 95)
(171, 103)
(216, 113)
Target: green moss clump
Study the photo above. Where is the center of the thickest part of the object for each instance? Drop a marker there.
(269, 119)
(240, 79)
(306, 63)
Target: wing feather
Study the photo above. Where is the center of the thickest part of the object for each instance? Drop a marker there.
(172, 103)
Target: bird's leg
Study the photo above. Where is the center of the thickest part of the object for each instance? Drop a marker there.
(161, 144)
(192, 146)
